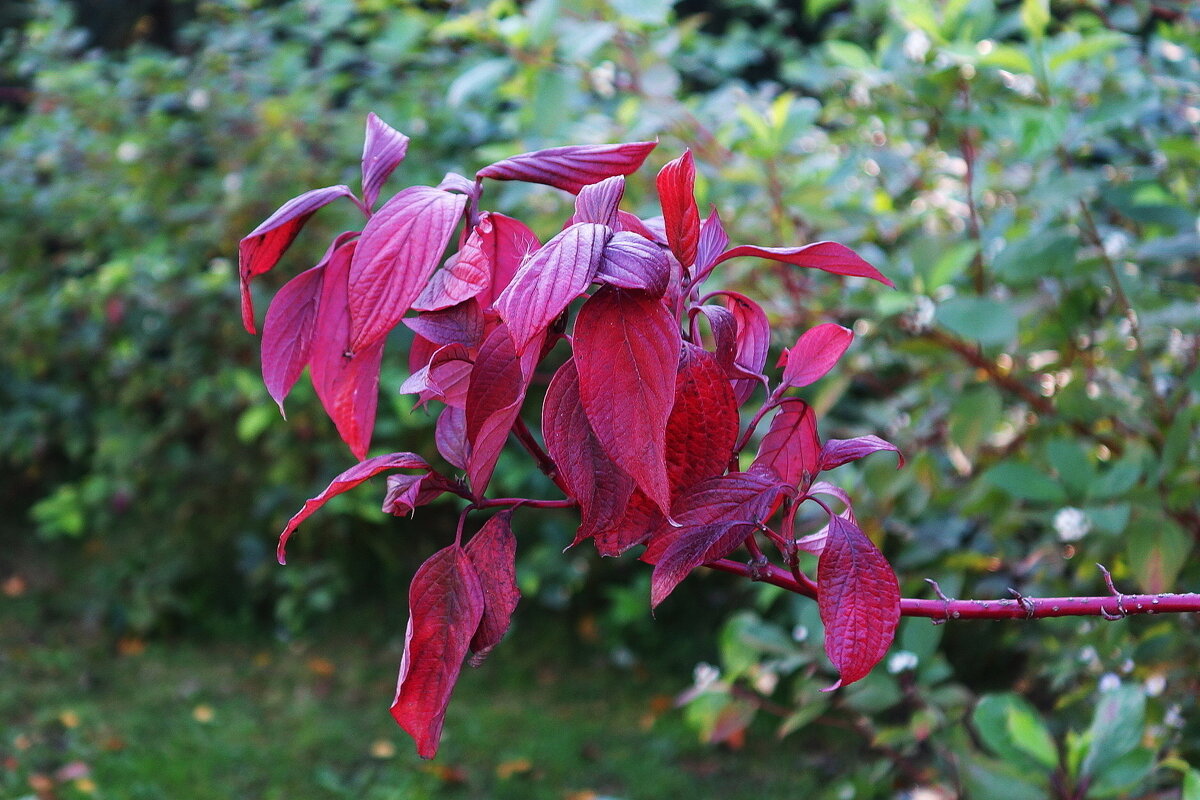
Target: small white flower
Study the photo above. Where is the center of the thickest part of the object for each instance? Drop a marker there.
(604, 79)
(128, 152)
(232, 183)
(766, 681)
(1109, 682)
(705, 675)
(1071, 524)
(799, 633)
(1088, 655)
(198, 99)
(922, 314)
(916, 45)
(1174, 717)
(1155, 685)
(902, 661)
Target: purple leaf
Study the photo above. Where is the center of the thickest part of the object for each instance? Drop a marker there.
(262, 248)
(715, 516)
(445, 606)
(631, 262)
(634, 224)
(400, 246)
(550, 279)
(453, 182)
(598, 202)
(753, 341)
(713, 241)
(841, 451)
(816, 352)
(600, 487)
(444, 378)
(573, 167)
(352, 477)
(703, 427)
(626, 351)
(859, 601)
(450, 436)
(288, 332)
(493, 552)
(383, 149)
(791, 447)
(347, 384)
(406, 493)
(459, 324)
(724, 331)
(826, 256)
(681, 219)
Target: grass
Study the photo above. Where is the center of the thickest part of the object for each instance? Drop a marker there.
(83, 716)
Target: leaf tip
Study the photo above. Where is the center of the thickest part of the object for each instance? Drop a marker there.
(835, 686)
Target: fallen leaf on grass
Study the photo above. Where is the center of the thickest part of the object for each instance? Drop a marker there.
(516, 766)
(203, 714)
(382, 748)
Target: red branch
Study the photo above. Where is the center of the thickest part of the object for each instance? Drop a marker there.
(1111, 606)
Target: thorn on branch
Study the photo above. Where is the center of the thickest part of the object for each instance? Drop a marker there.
(760, 567)
(1026, 603)
(941, 596)
(1121, 612)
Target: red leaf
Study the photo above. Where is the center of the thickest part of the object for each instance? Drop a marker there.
(841, 451)
(681, 219)
(483, 266)
(348, 480)
(713, 241)
(494, 399)
(633, 224)
(631, 262)
(445, 606)
(288, 332)
(816, 352)
(600, 487)
(458, 324)
(493, 552)
(703, 426)
(826, 256)
(383, 149)
(550, 279)
(573, 167)
(859, 601)
(724, 331)
(640, 520)
(400, 246)
(753, 341)
(262, 248)
(627, 351)
(450, 436)
(598, 202)
(791, 447)
(715, 516)
(347, 385)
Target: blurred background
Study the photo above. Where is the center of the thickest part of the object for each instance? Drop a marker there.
(1027, 174)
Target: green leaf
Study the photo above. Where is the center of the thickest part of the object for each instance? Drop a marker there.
(950, 264)
(848, 54)
(1116, 728)
(1030, 735)
(1157, 549)
(1117, 480)
(1109, 519)
(989, 322)
(1093, 44)
(1035, 16)
(1119, 777)
(991, 721)
(1191, 785)
(1071, 462)
(648, 12)
(988, 780)
(1025, 482)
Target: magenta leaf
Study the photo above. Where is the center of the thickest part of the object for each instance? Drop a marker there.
(494, 399)
(288, 332)
(703, 426)
(633, 224)
(600, 487)
(598, 202)
(458, 324)
(724, 331)
(262, 248)
(632, 262)
(405, 493)
(352, 477)
(550, 279)
(713, 241)
(815, 542)
(715, 516)
(493, 552)
(445, 378)
(453, 182)
(816, 352)
(681, 219)
(450, 436)
(826, 256)
(859, 601)
(753, 341)
(483, 266)
(791, 447)
(347, 384)
(841, 451)
(383, 149)
(400, 246)
(445, 607)
(573, 167)
(627, 351)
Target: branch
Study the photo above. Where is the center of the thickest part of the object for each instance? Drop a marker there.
(1111, 606)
